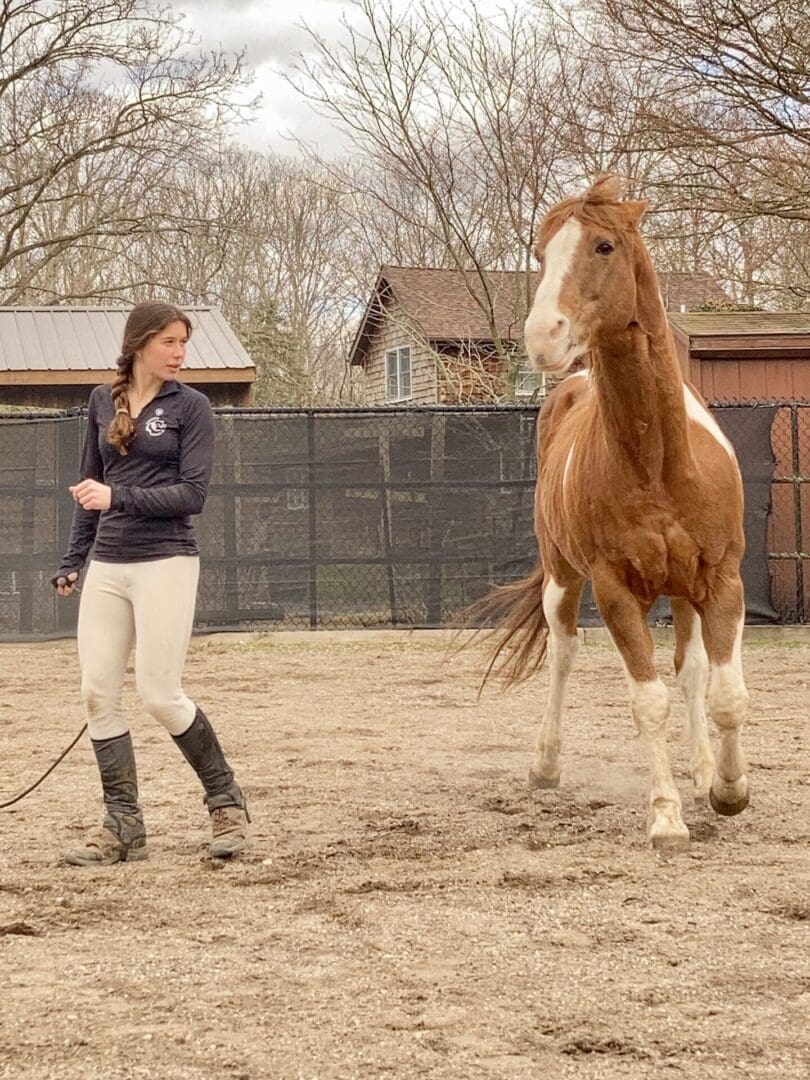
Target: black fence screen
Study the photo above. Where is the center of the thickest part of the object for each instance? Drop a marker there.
(358, 518)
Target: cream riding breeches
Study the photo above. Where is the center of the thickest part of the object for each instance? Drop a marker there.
(149, 605)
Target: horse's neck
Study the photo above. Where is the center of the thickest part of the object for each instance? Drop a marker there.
(640, 396)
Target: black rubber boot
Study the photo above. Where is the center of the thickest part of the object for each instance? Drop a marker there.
(224, 798)
(122, 836)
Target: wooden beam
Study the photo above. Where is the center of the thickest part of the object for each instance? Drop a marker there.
(760, 344)
(94, 377)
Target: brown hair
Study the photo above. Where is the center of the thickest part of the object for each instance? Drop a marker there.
(602, 206)
(145, 320)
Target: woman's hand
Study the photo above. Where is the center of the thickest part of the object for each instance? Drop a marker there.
(65, 582)
(91, 495)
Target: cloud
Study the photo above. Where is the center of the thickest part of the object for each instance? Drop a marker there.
(271, 35)
(266, 34)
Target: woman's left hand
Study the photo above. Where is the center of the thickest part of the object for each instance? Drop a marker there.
(91, 495)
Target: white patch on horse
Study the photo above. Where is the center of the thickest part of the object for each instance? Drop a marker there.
(584, 374)
(557, 259)
(727, 692)
(693, 679)
(568, 463)
(650, 705)
(695, 411)
(562, 651)
(728, 704)
(546, 330)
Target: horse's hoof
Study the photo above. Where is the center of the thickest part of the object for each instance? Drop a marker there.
(670, 843)
(728, 808)
(538, 781)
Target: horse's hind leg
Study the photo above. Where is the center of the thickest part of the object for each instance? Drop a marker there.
(561, 594)
(692, 671)
(723, 621)
(625, 618)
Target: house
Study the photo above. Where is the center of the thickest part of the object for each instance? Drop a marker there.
(51, 357)
(688, 290)
(429, 335)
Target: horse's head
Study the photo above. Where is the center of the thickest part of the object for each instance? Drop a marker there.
(588, 248)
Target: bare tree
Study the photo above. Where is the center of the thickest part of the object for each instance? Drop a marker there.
(455, 138)
(265, 240)
(99, 101)
(735, 106)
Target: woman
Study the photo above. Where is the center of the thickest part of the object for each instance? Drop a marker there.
(145, 469)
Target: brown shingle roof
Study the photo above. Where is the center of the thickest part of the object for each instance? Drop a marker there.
(689, 290)
(739, 323)
(439, 301)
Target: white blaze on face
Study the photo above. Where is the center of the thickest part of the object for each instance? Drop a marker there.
(546, 331)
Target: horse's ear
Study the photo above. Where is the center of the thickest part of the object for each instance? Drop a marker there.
(636, 209)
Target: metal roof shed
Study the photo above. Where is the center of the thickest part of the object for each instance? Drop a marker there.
(52, 356)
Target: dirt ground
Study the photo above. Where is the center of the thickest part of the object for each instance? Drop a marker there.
(409, 908)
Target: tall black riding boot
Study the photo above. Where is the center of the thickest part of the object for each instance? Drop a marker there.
(122, 836)
(223, 796)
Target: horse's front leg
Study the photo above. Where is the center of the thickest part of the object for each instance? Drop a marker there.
(625, 618)
(562, 590)
(723, 622)
(692, 671)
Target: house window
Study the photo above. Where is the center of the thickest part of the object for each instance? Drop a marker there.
(528, 380)
(398, 373)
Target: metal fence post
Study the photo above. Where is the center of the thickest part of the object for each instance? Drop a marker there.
(797, 508)
(69, 439)
(385, 517)
(312, 478)
(230, 544)
(435, 519)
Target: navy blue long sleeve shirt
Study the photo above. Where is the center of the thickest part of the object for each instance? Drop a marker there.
(156, 486)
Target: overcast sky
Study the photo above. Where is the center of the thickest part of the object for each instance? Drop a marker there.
(270, 32)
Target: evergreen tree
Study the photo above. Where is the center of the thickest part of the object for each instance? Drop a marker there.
(281, 375)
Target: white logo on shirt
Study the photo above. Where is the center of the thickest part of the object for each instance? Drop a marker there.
(155, 426)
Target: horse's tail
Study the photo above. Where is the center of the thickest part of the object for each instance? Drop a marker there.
(514, 610)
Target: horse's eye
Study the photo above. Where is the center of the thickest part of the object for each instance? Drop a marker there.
(605, 248)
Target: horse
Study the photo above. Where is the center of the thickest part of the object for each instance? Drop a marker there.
(638, 491)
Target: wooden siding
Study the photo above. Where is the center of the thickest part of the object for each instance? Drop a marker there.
(73, 395)
(745, 356)
(682, 352)
(397, 331)
(753, 378)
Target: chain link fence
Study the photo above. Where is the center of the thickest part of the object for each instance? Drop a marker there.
(789, 522)
(348, 518)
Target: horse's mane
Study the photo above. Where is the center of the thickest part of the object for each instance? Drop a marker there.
(601, 207)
